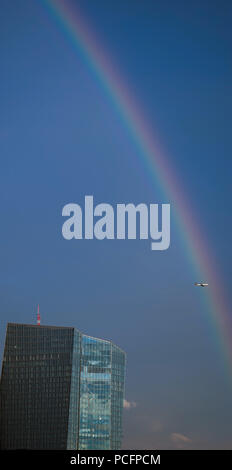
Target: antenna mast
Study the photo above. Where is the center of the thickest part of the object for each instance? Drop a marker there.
(38, 316)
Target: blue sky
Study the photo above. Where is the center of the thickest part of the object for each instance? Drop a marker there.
(61, 139)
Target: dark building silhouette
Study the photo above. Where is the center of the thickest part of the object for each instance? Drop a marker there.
(60, 389)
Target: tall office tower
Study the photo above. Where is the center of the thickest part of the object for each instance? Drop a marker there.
(60, 389)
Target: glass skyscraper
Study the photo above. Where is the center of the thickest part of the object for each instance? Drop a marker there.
(60, 389)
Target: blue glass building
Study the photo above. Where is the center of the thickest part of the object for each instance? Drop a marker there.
(60, 389)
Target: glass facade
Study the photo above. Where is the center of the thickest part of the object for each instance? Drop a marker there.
(117, 395)
(60, 390)
(95, 394)
(38, 365)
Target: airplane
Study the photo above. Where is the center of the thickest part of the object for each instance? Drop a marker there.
(201, 284)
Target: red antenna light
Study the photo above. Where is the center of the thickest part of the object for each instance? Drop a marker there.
(38, 316)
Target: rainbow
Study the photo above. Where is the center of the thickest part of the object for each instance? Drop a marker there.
(72, 24)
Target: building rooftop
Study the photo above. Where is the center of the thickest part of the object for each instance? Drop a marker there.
(65, 327)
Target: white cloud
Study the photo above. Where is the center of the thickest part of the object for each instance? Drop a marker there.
(179, 439)
(129, 404)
